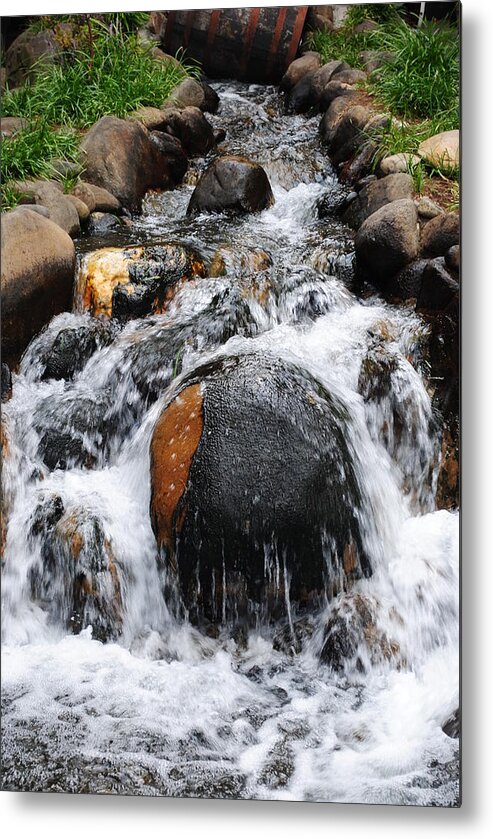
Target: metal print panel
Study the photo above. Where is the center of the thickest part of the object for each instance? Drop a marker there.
(230, 403)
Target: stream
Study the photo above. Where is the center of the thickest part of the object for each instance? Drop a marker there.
(163, 708)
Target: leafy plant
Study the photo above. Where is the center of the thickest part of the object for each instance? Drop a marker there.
(378, 12)
(112, 74)
(28, 153)
(424, 80)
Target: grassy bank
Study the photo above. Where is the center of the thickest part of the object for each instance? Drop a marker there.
(418, 84)
(101, 68)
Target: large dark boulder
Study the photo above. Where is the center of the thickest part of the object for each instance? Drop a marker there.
(440, 234)
(349, 133)
(234, 184)
(120, 156)
(71, 348)
(255, 496)
(438, 288)
(300, 97)
(335, 111)
(298, 68)
(375, 195)
(387, 241)
(195, 93)
(191, 128)
(38, 261)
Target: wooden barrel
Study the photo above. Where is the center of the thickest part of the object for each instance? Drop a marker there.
(250, 44)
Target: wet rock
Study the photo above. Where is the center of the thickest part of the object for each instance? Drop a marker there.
(6, 382)
(361, 164)
(444, 360)
(75, 431)
(99, 224)
(29, 54)
(38, 260)
(158, 360)
(442, 150)
(298, 68)
(377, 194)
(72, 348)
(440, 234)
(77, 580)
(252, 451)
(228, 259)
(375, 377)
(452, 259)
(396, 163)
(352, 637)
(291, 638)
(438, 288)
(97, 199)
(49, 194)
(388, 240)
(279, 767)
(191, 92)
(406, 284)
(300, 97)
(176, 156)
(192, 129)
(448, 483)
(120, 157)
(233, 184)
(452, 726)
(134, 281)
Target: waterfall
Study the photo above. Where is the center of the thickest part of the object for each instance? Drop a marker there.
(96, 656)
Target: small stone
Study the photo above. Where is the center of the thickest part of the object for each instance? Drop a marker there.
(80, 206)
(452, 259)
(442, 150)
(298, 68)
(12, 125)
(150, 118)
(398, 163)
(427, 208)
(439, 234)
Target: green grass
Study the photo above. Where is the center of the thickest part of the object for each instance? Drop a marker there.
(377, 12)
(424, 80)
(114, 76)
(28, 153)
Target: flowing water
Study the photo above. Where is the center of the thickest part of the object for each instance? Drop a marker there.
(164, 709)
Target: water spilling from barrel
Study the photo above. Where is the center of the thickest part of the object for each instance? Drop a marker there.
(342, 703)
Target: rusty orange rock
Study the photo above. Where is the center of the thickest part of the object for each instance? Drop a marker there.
(173, 446)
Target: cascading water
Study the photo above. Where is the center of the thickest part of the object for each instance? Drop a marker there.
(161, 708)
